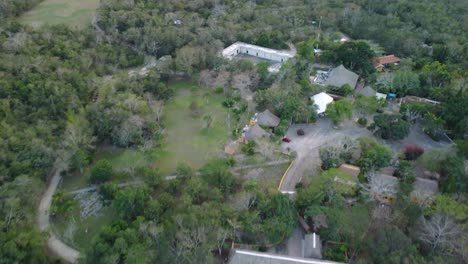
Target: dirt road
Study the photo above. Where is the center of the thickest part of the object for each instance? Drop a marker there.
(57, 247)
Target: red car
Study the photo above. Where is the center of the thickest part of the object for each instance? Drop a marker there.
(286, 139)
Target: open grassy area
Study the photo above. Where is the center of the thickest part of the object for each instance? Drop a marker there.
(187, 139)
(76, 13)
(269, 177)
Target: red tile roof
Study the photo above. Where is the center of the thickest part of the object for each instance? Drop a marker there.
(385, 60)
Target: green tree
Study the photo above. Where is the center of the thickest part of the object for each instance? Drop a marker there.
(455, 114)
(435, 74)
(405, 82)
(368, 105)
(391, 126)
(391, 245)
(462, 148)
(130, 202)
(433, 125)
(339, 111)
(278, 217)
(216, 173)
(101, 172)
(373, 154)
(356, 56)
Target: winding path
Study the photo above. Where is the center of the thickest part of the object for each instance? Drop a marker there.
(55, 245)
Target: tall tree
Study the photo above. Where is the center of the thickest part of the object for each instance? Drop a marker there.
(339, 111)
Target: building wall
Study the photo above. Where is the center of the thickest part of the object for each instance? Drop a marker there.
(264, 53)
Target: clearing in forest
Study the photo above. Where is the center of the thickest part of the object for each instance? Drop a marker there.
(196, 127)
(76, 13)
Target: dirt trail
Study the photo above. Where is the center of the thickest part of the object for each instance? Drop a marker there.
(57, 247)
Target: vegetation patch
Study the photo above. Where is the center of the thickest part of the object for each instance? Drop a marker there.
(53, 12)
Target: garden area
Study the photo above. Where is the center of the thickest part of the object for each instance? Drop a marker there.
(73, 13)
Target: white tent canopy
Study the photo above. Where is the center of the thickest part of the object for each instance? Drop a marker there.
(321, 100)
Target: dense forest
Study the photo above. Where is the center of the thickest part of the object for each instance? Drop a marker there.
(51, 76)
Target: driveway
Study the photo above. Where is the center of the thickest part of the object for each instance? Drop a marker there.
(307, 147)
(322, 133)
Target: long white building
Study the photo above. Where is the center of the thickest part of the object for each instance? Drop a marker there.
(256, 51)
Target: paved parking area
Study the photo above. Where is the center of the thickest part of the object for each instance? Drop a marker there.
(323, 133)
(307, 147)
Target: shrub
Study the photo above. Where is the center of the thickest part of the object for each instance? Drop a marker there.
(249, 148)
(101, 172)
(413, 152)
(108, 191)
(219, 89)
(362, 121)
(300, 132)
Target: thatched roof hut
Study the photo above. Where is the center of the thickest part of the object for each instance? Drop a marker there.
(255, 132)
(267, 118)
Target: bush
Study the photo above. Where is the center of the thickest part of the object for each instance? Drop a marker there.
(392, 127)
(362, 121)
(101, 172)
(300, 132)
(108, 191)
(219, 89)
(413, 152)
(249, 148)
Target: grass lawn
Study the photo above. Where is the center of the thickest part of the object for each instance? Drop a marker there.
(268, 177)
(186, 137)
(76, 13)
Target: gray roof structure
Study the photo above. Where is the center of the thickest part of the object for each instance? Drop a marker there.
(367, 92)
(252, 257)
(340, 76)
(255, 132)
(267, 118)
(425, 187)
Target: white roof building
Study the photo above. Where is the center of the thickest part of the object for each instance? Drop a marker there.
(321, 100)
(257, 51)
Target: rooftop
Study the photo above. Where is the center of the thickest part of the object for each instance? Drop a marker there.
(340, 76)
(252, 257)
(385, 60)
(254, 132)
(230, 51)
(267, 118)
(321, 100)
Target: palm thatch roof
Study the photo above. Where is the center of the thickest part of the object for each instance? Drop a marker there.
(267, 118)
(340, 76)
(367, 91)
(255, 132)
